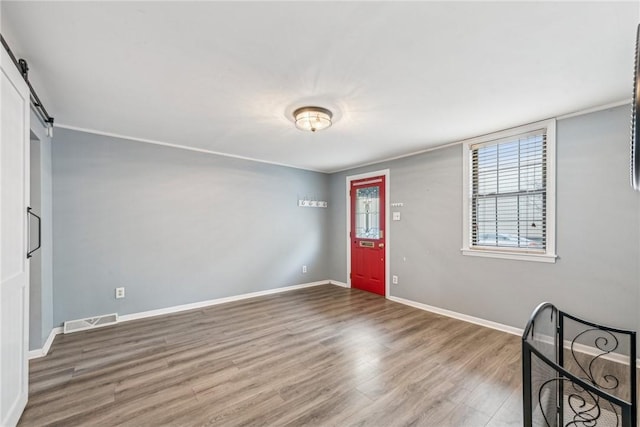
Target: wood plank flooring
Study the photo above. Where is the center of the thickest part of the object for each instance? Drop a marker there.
(322, 356)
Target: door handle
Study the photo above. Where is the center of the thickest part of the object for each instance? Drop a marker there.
(30, 212)
(381, 245)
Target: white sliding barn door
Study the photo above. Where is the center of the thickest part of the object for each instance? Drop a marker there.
(14, 266)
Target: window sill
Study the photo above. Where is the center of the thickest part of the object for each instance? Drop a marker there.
(535, 257)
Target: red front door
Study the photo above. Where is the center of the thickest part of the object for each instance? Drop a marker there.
(368, 235)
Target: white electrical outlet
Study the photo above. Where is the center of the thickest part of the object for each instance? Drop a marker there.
(304, 269)
(119, 293)
(394, 279)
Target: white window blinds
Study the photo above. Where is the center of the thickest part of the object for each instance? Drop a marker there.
(508, 193)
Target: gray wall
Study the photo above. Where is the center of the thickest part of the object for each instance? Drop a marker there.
(175, 226)
(598, 237)
(41, 264)
(35, 263)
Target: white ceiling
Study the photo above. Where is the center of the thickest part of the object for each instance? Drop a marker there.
(399, 76)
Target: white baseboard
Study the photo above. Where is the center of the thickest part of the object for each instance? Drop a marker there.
(41, 352)
(595, 352)
(580, 348)
(586, 349)
(464, 317)
(342, 284)
(200, 304)
(34, 354)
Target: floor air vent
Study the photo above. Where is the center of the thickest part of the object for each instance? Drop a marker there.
(90, 323)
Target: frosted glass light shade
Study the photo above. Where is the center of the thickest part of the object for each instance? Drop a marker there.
(312, 118)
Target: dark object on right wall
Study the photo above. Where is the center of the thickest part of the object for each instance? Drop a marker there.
(577, 373)
(635, 113)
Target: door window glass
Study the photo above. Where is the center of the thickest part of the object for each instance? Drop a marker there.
(368, 213)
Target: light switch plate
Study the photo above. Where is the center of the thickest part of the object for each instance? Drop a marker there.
(396, 216)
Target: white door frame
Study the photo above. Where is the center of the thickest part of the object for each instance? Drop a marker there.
(387, 221)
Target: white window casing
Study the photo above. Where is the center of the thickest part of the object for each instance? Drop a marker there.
(509, 200)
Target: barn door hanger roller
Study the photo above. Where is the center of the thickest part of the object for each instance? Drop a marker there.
(23, 68)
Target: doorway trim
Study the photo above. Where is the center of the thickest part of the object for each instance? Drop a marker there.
(387, 221)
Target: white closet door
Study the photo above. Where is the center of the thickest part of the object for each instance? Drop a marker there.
(14, 266)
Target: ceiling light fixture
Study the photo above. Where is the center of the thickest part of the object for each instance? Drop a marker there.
(312, 118)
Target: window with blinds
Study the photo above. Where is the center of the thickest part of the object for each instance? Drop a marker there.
(509, 193)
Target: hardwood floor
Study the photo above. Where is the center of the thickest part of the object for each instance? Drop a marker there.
(317, 356)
